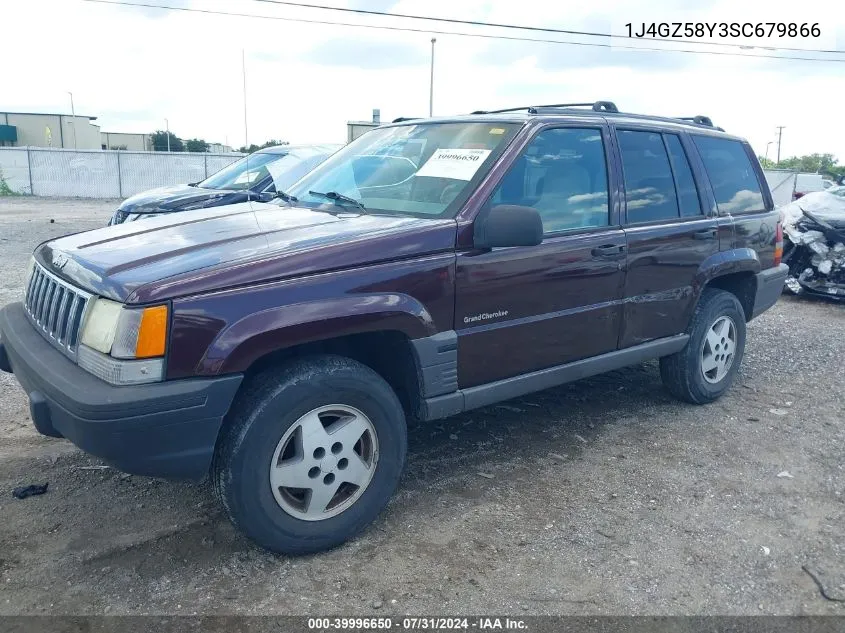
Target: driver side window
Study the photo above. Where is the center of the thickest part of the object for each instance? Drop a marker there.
(563, 174)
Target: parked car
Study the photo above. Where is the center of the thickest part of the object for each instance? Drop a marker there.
(254, 177)
(814, 243)
(481, 258)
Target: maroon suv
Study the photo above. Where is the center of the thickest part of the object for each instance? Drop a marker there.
(430, 267)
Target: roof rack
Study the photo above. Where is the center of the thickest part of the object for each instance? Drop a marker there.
(700, 119)
(597, 106)
(605, 107)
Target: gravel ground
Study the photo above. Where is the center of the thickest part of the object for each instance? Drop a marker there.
(601, 497)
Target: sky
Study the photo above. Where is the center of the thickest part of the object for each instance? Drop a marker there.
(132, 67)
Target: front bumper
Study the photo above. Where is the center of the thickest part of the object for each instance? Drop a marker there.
(769, 288)
(167, 429)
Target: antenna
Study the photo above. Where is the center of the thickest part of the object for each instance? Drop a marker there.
(246, 131)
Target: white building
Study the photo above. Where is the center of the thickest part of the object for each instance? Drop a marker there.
(18, 129)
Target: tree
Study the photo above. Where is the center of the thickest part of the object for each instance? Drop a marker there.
(254, 148)
(196, 145)
(825, 164)
(811, 163)
(159, 138)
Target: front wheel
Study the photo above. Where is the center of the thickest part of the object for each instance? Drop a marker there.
(706, 367)
(311, 454)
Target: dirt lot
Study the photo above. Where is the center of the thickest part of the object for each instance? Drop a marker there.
(601, 497)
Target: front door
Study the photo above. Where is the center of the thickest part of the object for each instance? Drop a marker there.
(522, 309)
(669, 235)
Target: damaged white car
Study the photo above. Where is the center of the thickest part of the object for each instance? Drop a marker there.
(814, 244)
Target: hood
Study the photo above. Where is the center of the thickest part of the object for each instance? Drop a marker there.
(177, 197)
(197, 251)
(820, 205)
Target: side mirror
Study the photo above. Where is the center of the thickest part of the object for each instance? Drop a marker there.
(508, 225)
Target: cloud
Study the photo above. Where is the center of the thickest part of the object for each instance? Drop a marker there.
(133, 68)
(557, 57)
(365, 54)
(155, 14)
(374, 5)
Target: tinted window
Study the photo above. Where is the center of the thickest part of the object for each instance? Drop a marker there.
(649, 187)
(731, 175)
(562, 174)
(684, 182)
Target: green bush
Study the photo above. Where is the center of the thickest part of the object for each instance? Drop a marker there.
(5, 189)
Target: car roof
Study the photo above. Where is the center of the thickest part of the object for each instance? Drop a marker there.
(325, 148)
(604, 110)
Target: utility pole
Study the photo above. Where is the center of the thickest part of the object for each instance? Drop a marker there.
(780, 134)
(431, 81)
(73, 119)
(167, 133)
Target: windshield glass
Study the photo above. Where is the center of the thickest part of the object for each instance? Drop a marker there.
(409, 169)
(241, 174)
(250, 171)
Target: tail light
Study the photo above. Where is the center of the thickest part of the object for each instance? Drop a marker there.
(779, 242)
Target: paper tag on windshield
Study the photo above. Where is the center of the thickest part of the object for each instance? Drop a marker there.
(458, 164)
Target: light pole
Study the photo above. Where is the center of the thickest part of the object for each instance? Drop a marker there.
(73, 119)
(431, 81)
(767, 149)
(167, 133)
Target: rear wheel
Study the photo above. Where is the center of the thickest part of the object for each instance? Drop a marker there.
(311, 454)
(706, 367)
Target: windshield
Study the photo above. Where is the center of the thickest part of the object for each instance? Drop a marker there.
(274, 172)
(424, 169)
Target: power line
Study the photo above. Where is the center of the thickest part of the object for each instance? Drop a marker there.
(440, 32)
(543, 29)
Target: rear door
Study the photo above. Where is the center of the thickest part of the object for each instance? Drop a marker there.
(521, 309)
(669, 235)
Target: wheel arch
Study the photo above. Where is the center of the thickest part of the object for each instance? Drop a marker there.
(389, 353)
(733, 271)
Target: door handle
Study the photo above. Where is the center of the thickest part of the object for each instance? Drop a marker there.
(706, 234)
(609, 250)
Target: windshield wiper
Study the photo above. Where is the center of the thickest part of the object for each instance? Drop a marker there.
(338, 199)
(286, 197)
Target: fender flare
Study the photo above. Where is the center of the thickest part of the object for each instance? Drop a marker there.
(237, 347)
(737, 260)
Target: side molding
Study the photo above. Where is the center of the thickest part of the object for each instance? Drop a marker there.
(441, 406)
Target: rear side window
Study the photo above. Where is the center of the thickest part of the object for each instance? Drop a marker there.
(684, 182)
(649, 187)
(732, 177)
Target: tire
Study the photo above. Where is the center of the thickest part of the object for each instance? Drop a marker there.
(273, 406)
(692, 374)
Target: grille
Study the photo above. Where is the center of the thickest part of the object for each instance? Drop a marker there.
(56, 309)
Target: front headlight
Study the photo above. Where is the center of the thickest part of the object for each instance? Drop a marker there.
(123, 345)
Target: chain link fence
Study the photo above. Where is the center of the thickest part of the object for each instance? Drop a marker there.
(102, 173)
